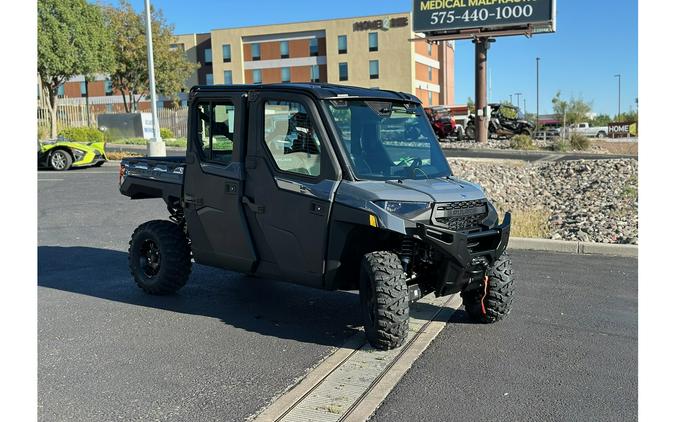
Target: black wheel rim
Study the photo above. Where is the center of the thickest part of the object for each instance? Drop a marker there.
(149, 258)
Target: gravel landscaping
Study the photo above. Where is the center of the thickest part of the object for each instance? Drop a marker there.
(539, 144)
(587, 200)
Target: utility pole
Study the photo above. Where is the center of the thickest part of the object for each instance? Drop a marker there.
(537, 123)
(156, 146)
(618, 75)
(482, 44)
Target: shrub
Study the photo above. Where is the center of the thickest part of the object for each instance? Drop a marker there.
(166, 133)
(522, 142)
(43, 133)
(579, 142)
(82, 134)
(560, 145)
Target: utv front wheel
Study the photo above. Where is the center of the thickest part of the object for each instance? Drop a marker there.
(159, 257)
(493, 300)
(384, 300)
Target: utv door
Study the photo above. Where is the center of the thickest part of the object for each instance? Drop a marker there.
(214, 181)
(292, 174)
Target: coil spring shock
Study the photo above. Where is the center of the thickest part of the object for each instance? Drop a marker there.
(406, 253)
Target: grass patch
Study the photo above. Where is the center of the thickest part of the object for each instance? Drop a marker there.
(560, 145)
(579, 142)
(522, 142)
(630, 190)
(118, 155)
(530, 223)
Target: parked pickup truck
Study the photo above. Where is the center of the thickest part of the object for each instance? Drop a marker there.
(328, 186)
(588, 130)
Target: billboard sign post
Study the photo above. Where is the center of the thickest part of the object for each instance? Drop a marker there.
(482, 21)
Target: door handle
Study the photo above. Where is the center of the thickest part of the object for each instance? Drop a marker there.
(316, 208)
(258, 209)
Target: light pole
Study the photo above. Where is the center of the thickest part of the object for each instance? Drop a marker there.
(156, 147)
(537, 123)
(618, 75)
(518, 94)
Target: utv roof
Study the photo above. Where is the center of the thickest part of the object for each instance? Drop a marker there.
(318, 90)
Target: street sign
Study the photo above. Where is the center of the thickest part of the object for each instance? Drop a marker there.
(457, 19)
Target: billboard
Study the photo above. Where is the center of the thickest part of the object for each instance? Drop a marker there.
(459, 16)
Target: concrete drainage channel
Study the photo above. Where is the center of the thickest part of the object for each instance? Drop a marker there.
(351, 383)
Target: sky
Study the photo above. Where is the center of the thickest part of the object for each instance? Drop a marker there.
(595, 40)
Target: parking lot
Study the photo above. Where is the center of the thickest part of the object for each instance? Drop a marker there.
(227, 344)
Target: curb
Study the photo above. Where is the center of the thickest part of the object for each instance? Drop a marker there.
(573, 247)
(497, 151)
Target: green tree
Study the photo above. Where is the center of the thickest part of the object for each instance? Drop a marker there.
(601, 120)
(572, 111)
(130, 76)
(72, 40)
(471, 105)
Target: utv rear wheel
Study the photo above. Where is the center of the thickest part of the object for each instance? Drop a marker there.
(159, 257)
(470, 133)
(384, 300)
(493, 300)
(60, 160)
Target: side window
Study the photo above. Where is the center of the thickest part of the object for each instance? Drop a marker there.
(215, 131)
(291, 138)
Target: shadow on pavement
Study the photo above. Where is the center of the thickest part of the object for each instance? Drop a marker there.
(256, 305)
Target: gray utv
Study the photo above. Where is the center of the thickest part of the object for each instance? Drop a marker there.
(327, 186)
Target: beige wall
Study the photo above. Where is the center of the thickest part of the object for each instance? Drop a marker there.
(396, 62)
(399, 67)
(189, 42)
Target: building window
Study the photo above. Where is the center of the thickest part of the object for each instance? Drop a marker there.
(374, 67)
(344, 71)
(174, 47)
(209, 79)
(255, 51)
(285, 74)
(342, 44)
(372, 41)
(283, 48)
(83, 89)
(207, 55)
(314, 47)
(257, 76)
(108, 87)
(60, 91)
(430, 98)
(430, 73)
(315, 73)
(227, 77)
(429, 49)
(227, 53)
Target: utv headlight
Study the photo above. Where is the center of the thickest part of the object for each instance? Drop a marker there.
(404, 209)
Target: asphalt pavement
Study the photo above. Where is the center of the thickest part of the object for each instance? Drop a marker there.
(567, 352)
(227, 344)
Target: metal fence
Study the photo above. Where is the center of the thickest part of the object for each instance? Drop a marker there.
(72, 112)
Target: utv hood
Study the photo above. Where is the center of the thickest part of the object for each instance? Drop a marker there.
(429, 190)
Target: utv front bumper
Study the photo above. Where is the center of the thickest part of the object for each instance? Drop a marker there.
(468, 255)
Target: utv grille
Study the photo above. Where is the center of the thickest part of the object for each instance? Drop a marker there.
(460, 216)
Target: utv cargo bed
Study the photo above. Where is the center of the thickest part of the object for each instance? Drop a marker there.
(152, 177)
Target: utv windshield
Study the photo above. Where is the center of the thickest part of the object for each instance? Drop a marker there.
(388, 140)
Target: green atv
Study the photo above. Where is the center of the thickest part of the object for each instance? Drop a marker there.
(62, 154)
